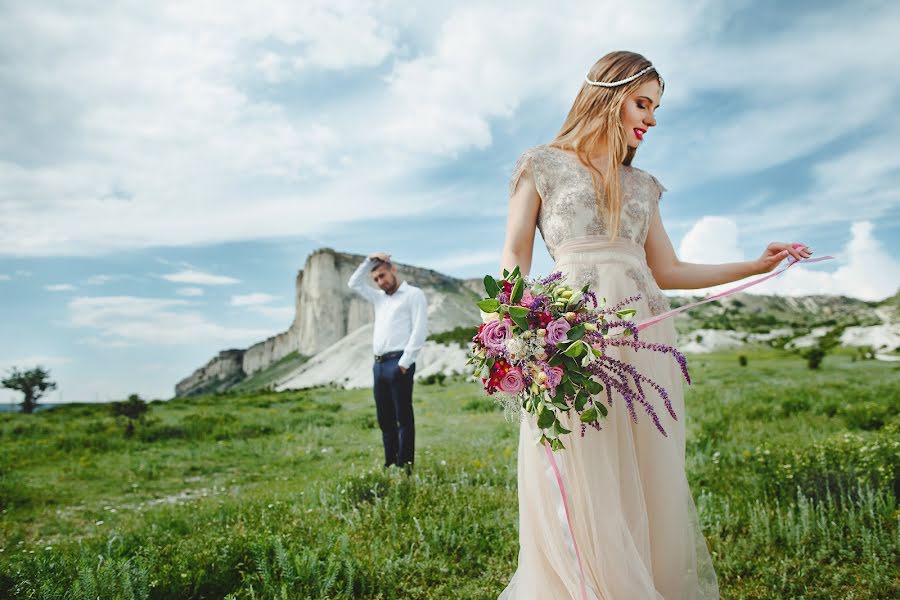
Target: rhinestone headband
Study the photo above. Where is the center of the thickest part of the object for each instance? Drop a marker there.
(610, 84)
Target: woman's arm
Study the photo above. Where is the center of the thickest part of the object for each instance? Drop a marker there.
(672, 274)
(521, 222)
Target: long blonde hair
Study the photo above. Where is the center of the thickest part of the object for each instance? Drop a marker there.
(594, 126)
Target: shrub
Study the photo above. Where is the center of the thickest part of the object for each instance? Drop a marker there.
(814, 357)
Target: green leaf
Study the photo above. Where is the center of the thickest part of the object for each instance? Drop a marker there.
(593, 387)
(517, 292)
(575, 299)
(580, 401)
(522, 322)
(601, 408)
(515, 273)
(560, 395)
(577, 332)
(575, 350)
(571, 367)
(556, 444)
(590, 415)
(556, 360)
(569, 388)
(505, 274)
(560, 403)
(518, 311)
(558, 428)
(491, 286)
(624, 314)
(546, 418)
(489, 305)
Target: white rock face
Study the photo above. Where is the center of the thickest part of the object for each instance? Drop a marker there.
(710, 340)
(809, 340)
(883, 338)
(348, 363)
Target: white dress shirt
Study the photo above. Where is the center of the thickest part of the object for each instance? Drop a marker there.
(401, 319)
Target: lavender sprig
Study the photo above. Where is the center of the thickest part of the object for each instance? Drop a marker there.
(552, 277)
(611, 310)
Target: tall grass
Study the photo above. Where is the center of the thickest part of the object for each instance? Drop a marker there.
(281, 495)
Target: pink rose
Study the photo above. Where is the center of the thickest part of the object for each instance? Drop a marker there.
(556, 331)
(513, 382)
(495, 333)
(527, 299)
(554, 376)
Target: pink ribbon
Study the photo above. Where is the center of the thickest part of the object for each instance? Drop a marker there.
(791, 262)
(562, 492)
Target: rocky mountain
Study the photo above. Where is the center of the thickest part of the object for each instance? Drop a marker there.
(330, 338)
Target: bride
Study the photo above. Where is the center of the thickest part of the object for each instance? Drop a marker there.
(632, 515)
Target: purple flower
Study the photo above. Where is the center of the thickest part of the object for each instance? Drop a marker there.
(495, 333)
(556, 331)
(555, 276)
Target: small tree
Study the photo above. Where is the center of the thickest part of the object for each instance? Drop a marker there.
(132, 409)
(742, 360)
(33, 384)
(814, 356)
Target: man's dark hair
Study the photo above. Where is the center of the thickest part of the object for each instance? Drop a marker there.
(379, 263)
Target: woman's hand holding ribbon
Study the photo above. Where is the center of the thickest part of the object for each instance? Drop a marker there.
(778, 251)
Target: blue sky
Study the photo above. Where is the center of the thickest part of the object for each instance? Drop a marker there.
(165, 168)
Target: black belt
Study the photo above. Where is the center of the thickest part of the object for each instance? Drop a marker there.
(389, 355)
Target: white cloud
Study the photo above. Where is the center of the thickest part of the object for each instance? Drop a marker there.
(203, 137)
(251, 299)
(862, 183)
(60, 287)
(190, 292)
(4, 277)
(866, 270)
(463, 259)
(104, 279)
(100, 279)
(280, 313)
(711, 240)
(199, 278)
(152, 321)
(259, 303)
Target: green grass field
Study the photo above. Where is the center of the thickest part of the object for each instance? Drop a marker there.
(281, 495)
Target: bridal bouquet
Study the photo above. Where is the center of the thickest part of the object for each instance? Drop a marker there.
(542, 348)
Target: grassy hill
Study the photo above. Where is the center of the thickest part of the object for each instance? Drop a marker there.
(281, 495)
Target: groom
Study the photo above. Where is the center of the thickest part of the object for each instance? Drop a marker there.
(401, 324)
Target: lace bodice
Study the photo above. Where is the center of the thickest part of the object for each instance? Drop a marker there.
(570, 211)
(569, 207)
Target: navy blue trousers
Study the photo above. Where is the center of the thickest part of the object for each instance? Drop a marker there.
(393, 404)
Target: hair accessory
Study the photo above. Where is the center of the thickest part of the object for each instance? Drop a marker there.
(610, 84)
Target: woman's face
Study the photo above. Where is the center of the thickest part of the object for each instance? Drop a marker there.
(638, 112)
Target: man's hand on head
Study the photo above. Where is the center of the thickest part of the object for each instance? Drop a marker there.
(402, 369)
(382, 256)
